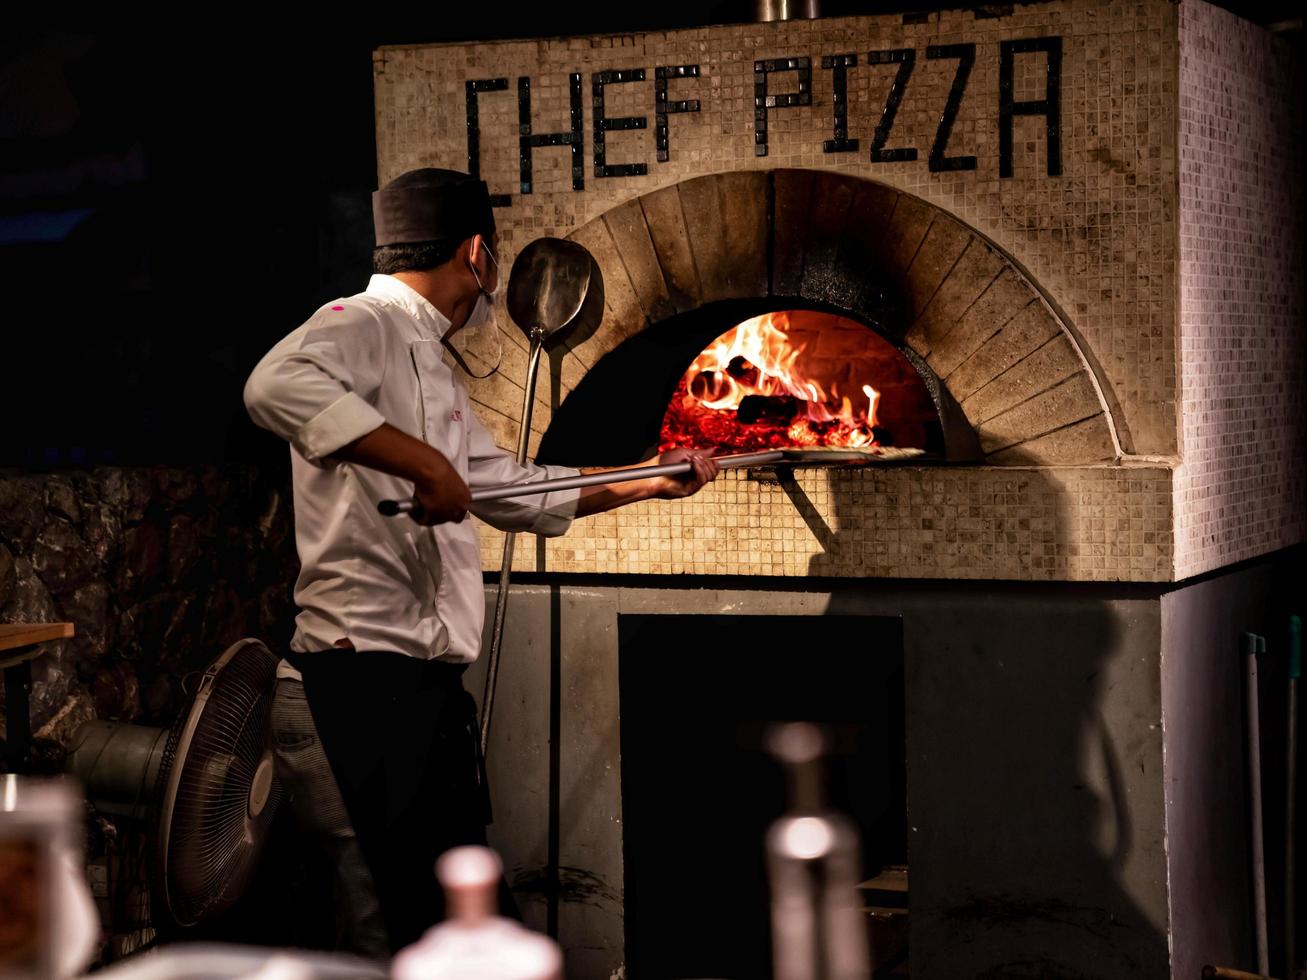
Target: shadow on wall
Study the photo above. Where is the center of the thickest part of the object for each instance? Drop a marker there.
(1036, 821)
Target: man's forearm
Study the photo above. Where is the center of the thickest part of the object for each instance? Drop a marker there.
(702, 469)
(606, 496)
(393, 451)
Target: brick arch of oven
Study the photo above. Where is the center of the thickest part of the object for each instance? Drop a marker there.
(964, 312)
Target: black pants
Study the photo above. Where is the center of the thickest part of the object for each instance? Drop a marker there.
(402, 740)
(314, 796)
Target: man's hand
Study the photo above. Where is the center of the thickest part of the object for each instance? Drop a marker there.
(704, 469)
(441, 495)
(671, 487)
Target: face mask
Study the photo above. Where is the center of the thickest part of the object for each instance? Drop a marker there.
(477, 346)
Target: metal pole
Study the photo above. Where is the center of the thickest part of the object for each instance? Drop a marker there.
(510, 539)
(1291, 803)
(1252, 646)
(621, 476)
(392, 507)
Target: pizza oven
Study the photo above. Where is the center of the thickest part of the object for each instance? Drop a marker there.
(993, 253)
(798, 378)
(821, 311)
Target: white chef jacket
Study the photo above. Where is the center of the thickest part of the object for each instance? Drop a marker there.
(387, 582)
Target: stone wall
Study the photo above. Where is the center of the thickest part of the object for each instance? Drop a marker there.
(160, 569)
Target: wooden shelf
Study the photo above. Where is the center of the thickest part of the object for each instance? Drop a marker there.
(14, 636)
(894, 878)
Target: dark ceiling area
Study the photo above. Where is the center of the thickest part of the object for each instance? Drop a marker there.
(172, 204)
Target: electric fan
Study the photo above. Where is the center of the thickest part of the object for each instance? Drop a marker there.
(207, 786)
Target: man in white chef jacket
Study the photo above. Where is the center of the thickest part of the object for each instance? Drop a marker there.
(374, 735)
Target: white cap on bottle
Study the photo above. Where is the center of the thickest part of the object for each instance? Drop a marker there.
(474, 941)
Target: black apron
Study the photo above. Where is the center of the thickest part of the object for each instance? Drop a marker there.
(402, 739)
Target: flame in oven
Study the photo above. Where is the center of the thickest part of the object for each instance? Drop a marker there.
(747, 391)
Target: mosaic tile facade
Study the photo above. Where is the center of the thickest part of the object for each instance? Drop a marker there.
(1240, 488)
(1051, 131)
(1098, 235)
(973, 317)
(1109, 523)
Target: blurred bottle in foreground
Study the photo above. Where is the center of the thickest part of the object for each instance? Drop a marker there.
(813, 867)
(475, 942)
(48, 923)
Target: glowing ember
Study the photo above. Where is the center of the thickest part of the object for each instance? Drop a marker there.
(747, 391)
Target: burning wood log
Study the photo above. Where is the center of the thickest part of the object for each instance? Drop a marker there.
(751, 389)
(768, 409)
(710, 386)
(743, 371)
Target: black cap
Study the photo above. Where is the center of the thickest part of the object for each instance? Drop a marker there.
(431, 205)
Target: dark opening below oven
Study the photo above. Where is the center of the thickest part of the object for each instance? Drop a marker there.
(699, 791)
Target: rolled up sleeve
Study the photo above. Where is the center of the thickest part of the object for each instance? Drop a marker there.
(547, 514)
(316, 387)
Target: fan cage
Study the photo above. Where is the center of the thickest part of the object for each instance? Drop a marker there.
(208, 844)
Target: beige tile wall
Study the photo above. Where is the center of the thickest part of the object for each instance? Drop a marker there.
(1108, 523)
(1240, 489)
(1101, 240)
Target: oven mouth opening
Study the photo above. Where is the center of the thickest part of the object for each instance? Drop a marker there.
(816, 381)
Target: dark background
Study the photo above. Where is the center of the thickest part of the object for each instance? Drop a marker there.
(699, 796)
(173, 202)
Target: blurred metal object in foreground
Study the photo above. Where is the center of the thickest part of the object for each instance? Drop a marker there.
(813, 866)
